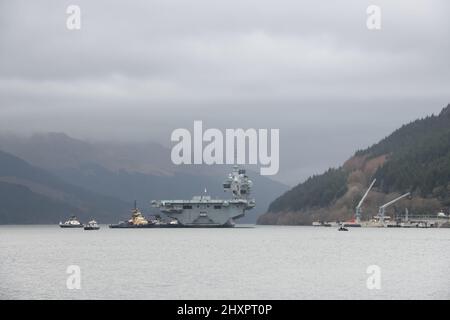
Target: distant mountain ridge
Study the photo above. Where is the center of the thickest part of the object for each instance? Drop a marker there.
(131, 171)
(57, 150)
(415, 158)
(32, 195)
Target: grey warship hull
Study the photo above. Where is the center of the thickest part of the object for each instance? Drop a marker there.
(204, 212)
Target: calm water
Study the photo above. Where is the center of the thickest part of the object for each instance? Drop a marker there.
(239, 263)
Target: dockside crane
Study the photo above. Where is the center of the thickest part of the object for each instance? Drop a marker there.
(358, 207)
(382, 209)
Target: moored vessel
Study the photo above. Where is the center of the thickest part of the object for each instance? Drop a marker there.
(351, 224)
(204, 211)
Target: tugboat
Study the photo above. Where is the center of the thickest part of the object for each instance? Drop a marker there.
(352, 223)
(139, 221)
(92, 225)
(71, 223)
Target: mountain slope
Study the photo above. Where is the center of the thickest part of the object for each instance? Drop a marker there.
(20, 205)
(414, 158)
(32, 195)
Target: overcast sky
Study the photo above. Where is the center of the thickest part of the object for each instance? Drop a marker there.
(137, 70)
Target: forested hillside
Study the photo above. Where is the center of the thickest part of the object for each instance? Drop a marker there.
(414, 158)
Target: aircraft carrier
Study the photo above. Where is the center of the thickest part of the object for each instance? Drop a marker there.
(203, 211)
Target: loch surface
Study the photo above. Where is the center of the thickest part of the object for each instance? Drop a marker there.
(262, 262)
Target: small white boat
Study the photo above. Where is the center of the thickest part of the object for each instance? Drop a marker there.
(71, 223)
(92, 225)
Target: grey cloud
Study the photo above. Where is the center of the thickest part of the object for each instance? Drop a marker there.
(139, 69)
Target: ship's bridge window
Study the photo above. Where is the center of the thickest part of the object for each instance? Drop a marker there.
(187, 206)
(217, 207)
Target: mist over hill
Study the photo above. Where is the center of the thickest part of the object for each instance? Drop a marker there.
(60, 175)
(131, 171)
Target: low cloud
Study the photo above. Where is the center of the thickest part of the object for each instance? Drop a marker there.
(137, 70)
